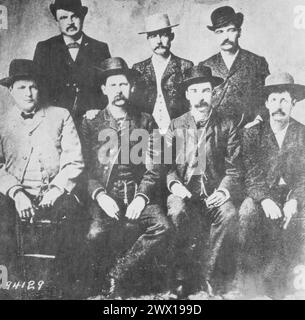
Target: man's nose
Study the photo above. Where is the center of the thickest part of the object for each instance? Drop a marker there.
(158, 38)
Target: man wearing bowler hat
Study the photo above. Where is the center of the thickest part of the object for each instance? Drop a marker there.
(157, 87)
(203, 180)
(122, 183)
(67, 61)
(243, 72)
(40, 162)
(272, 215)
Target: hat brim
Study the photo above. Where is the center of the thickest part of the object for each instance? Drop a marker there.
(82, 11)
(8, 81)
(297, 90)
(154, 30)
(103, 75)
(237, 21)
(215, 81)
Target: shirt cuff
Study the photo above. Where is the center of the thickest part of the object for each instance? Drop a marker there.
(12, 191)
(226, 192)
(170, 184)
(62, 190)
(144, 196)
(96, 192)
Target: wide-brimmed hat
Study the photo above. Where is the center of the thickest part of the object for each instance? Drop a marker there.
(20, 69)
(283, 81)
(157, 22)
(69, 5)
(198, 74)
(114, 66)
(223, 16)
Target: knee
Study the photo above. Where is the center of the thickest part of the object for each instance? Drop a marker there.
(248, 209)
(228, 213)
(176, 209)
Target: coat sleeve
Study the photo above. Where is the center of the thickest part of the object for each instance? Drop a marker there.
(256, 187)
(232, 178)
(7, 181)
(71, 159)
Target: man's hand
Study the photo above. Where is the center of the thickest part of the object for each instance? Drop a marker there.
(50, 197)
(271, 209)
(216, 199)
(108, 205)
(135, 208)
(290, 209)
(180, 190)
(24, 205)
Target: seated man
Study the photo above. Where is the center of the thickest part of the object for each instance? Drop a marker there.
(203, 180)
(123, 190)
(272, 217)
(40, 159)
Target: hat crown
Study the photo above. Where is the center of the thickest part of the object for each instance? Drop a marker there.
(115, 63)
(223, 16)
(19, 67)
(198, 72)
(222, 12)
(157, 22)
(279, 78)
(62, 4)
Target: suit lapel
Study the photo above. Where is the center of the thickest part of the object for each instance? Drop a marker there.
(171, 68)
(82, 50)
(64, 51)
(37, 120)
(238, 62)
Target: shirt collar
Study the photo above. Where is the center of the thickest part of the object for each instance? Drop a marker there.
(283, 131)
(157, 61)
(68, 40)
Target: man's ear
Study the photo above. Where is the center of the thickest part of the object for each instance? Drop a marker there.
(239, 32)
(103, 87)
(172, 36)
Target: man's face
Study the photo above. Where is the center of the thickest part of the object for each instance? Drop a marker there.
(117, 89)
(280, 105)
(69, 23)
(160, 41)
(25, 93)
(227, 37)
(200, 96)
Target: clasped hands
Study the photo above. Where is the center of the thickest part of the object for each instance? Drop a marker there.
(110, 207)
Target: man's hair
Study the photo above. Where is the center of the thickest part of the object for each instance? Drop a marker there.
(280, 90)
(130, 79)
(168, 31)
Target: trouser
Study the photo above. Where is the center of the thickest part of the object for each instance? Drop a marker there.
(122, 246)
(206, 235)
(268, 254)
(27, 248)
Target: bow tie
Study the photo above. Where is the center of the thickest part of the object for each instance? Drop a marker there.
(27, 115)
(201, 123)
(73, 45)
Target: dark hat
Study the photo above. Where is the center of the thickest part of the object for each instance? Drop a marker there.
(198, 74)
(69, 5)
(283, 81)
(113, 66)
(223, 16)
(157, 22)
(20, 69)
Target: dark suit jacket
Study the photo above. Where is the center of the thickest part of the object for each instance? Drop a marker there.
(265, 163)
(146, 88)
(222, 153)
(101, 156)
(241, 93)
(62, 75)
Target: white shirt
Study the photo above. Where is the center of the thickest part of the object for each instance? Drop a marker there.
(280, 136)
(229, 59)
(73, 51)
(160, 112)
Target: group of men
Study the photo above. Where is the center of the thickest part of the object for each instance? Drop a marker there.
(200, 168)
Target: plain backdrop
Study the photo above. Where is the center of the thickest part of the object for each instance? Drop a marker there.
(269, 30)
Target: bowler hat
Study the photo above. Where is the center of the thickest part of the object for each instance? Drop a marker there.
(283, 81)
(223, 16)
(114, 66)
(198, 74)
(69, 5)
(20, 69)
(157, 22)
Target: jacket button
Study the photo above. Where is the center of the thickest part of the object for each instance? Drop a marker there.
(68, 84)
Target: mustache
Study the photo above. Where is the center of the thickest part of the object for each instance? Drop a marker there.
(201, 104)
(71, 27)
(279, 111)
(227, 42)
(120, 97)
(160, 47)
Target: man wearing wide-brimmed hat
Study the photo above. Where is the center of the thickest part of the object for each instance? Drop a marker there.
(272, 217)
(203, 180)
(40, 160)
(123, 189)
(66, 61)
(157, 88)
(244, 72)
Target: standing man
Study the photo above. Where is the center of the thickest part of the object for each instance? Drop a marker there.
(157, 87)
(240, 96)
(67, 61)
(272, 217)
(122, 188)
(40, 161)
(203, 181)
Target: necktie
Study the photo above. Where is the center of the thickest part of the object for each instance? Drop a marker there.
(73, 45)
(27, 115)
(201, 123)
